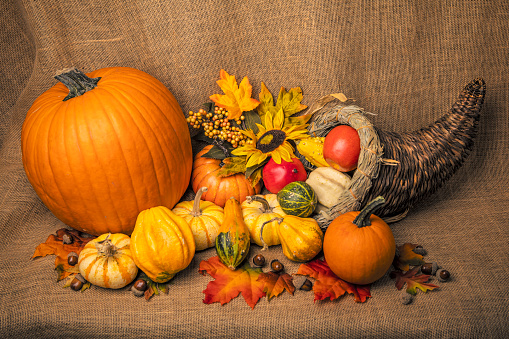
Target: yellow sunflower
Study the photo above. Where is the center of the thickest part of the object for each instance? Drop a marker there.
(272, 140)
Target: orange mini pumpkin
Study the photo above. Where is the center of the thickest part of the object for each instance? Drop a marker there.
(359, 247)
(101, 147)
(220, 189)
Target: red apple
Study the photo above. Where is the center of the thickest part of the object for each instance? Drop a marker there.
(341, 148)
(276, 176)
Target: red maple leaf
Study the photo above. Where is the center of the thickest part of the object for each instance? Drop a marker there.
(228, 284)
(275, 283)
(413, 281)
(328, 285)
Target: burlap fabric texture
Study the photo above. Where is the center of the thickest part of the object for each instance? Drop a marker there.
(404, 61)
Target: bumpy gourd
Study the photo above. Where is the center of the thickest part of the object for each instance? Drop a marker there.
(301, 238)
(258, 209)
(359, 247)
(233, 240)
(312, 149)
(106, 261)
(162, 243)
(204, 218)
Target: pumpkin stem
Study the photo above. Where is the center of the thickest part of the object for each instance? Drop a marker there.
(76, 81)
(265, 204)
(279, 220)
(105, 247)
(196, 205)
(362, 218)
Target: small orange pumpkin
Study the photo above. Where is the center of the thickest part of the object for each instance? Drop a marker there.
(220, 189)
(359, 247)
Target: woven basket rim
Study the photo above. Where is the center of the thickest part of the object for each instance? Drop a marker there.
(329, 112)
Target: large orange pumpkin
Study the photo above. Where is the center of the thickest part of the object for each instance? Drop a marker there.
(106, 146)
(220, 189)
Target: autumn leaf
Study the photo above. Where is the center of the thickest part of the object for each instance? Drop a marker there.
(289, 102)
(275, 283)
(406, 257)
(54, 245)
(232, 165)
(328, 285)
(413, 281)
(228, 284)
(236, 98)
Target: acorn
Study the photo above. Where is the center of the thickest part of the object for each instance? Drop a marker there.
(72, 258)
(139, 287)
(443, 275)
(259, 260)
(276, 266)
(429, 268)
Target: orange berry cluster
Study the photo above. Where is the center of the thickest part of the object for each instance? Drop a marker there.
(217, 126)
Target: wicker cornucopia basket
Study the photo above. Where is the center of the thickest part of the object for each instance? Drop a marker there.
(402, 167)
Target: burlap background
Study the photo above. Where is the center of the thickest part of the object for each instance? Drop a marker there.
(402, 60)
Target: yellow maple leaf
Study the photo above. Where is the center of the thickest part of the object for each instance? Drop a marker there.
(236, 98)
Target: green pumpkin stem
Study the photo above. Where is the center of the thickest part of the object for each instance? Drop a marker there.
(196, 205)
(265, 204)
(279, 220)
(76, 81)
(362, 218)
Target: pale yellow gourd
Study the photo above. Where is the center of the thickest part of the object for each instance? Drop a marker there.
(106, 261)
(204, 218)
(328, 184)
(256, 210)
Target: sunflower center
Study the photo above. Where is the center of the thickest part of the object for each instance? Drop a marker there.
(271, 140)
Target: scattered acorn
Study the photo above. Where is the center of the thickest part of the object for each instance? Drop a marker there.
(276, 266)
(406, 298)
(307, 286)
(419, 250)
(67, 239)
(429, 268)
(76, 284)
(443, 275)
(259, 260)
(72, 258)
(139, 287)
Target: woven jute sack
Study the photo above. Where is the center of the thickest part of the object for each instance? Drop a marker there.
(404, 168)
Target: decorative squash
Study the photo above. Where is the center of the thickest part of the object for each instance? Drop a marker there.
(232, 242)
(112, 143)
(258, 209)
(220, 189)
(162, 243)
(297, 198)
(301, 238)
(312, 149)
(106, 261)
(359, 247)
(328, 184)
(204, 218)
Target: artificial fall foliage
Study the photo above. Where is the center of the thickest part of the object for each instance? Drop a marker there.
(236, 98)
(406, 257)
(289, 102)
(54, 245)
(228, 284)
(413, 281)
(277, 283)
(328, 285)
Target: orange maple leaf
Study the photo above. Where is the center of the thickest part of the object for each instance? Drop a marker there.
(328, 285)
(55, 245)
(406, 257)
(236, 98)
(276, 283)
(413, 281)
(228, 284)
